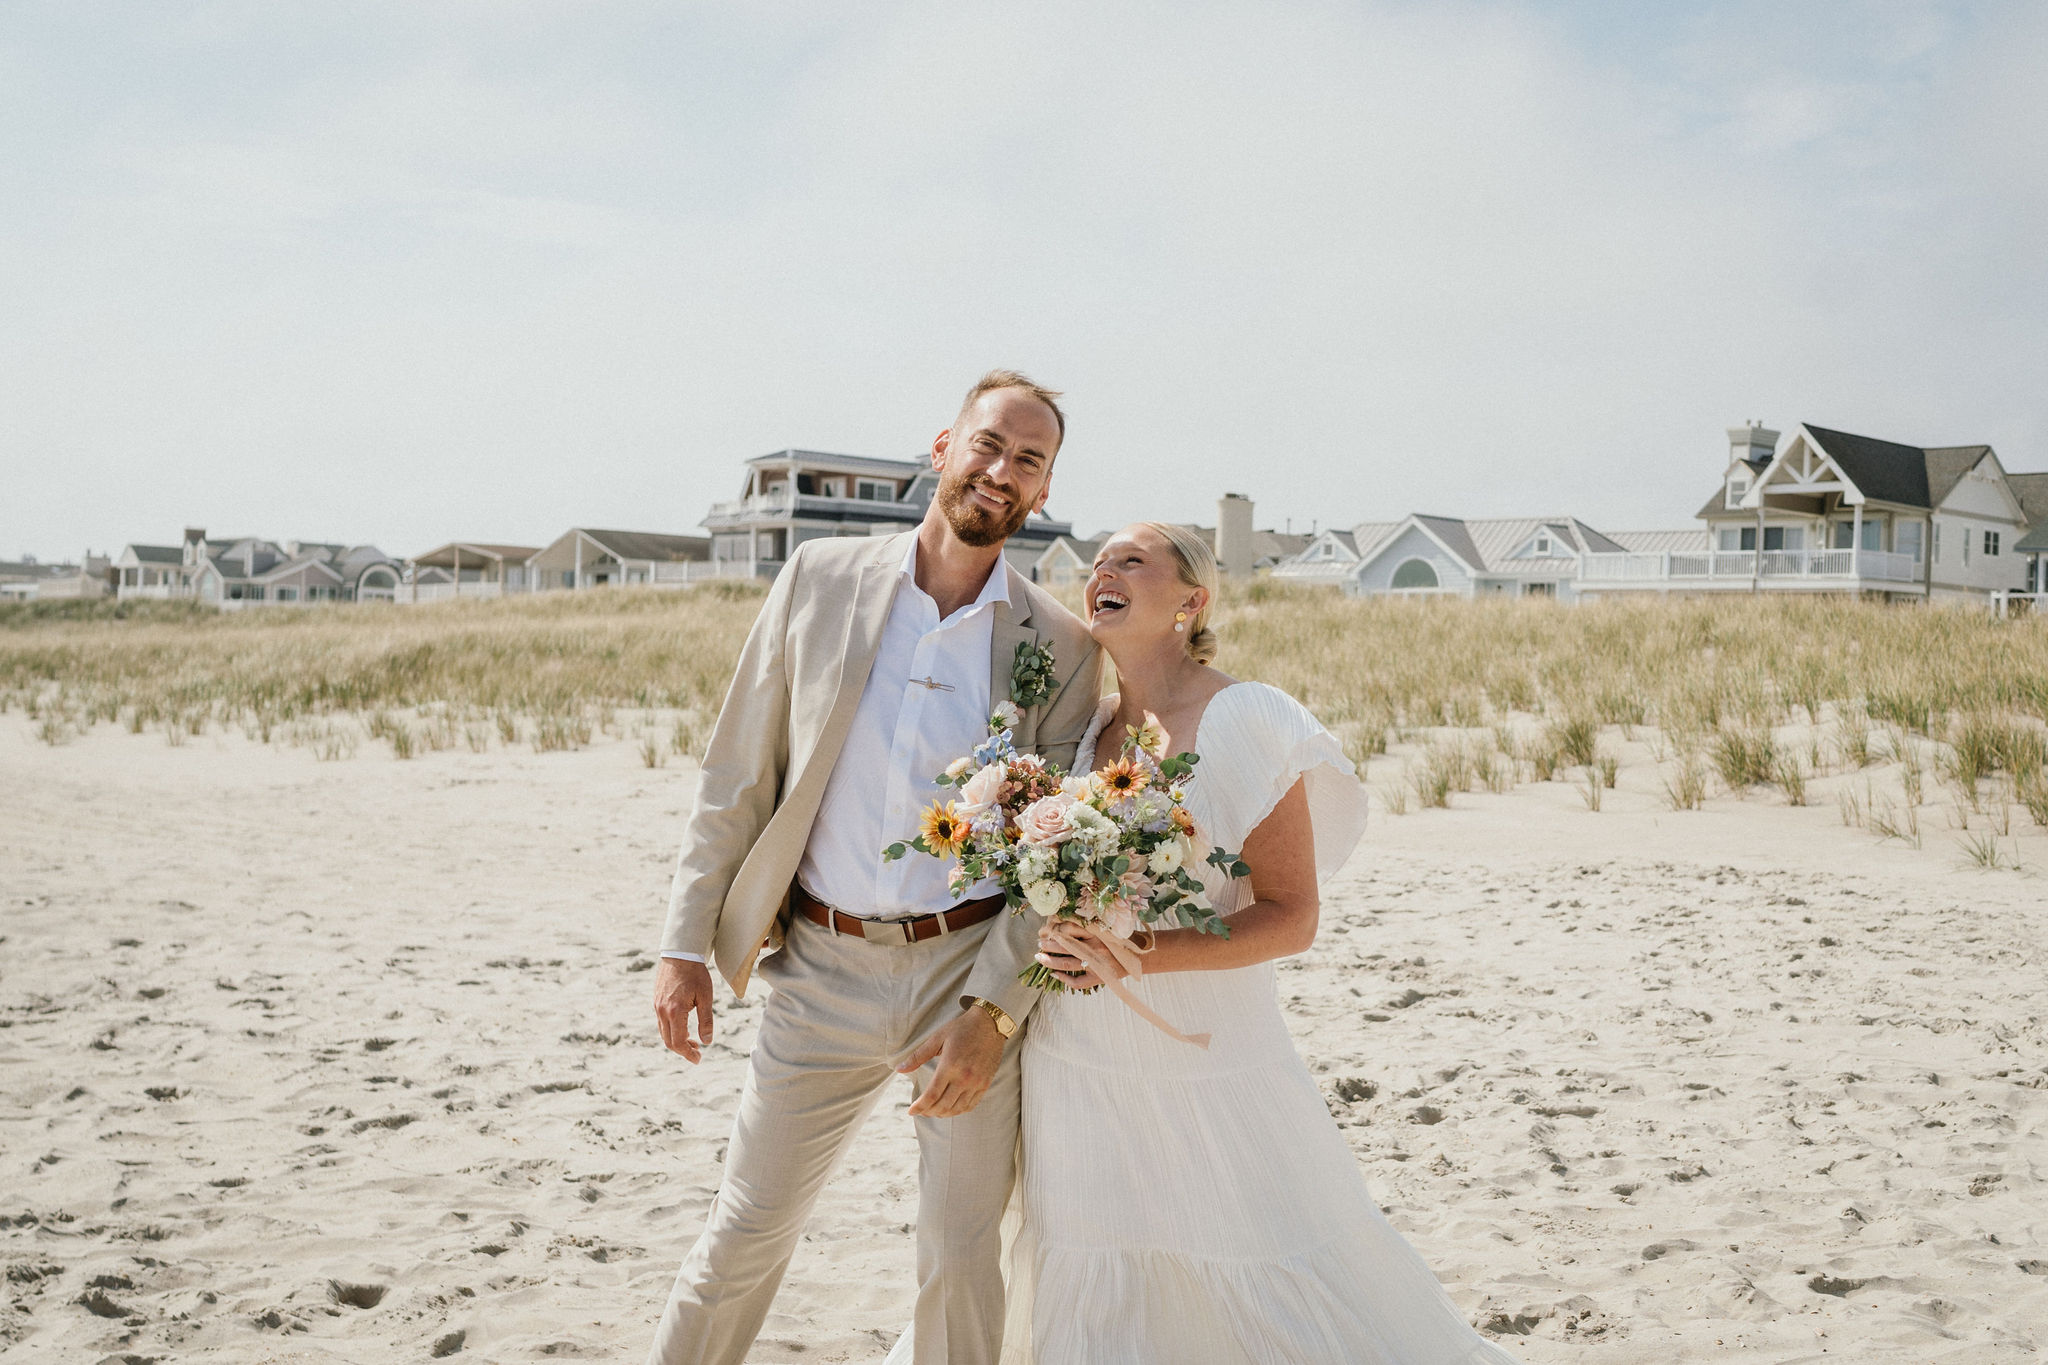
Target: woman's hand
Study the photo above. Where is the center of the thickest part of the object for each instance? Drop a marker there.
(1056, 941)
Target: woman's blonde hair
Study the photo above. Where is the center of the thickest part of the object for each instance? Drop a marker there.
(1198, 570)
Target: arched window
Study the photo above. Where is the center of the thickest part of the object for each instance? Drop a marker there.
(1415, 573)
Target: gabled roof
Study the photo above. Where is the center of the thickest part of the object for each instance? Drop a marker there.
(1081, 548)
(157, 554)
(1946, 466)
(1368, 536)
(1693, 540)
(1718, 504)
(444, 555)
(1489, 546)
(1451, 533)
(2032, 491)
(1885, 470)
(650, 544)
(289, 567)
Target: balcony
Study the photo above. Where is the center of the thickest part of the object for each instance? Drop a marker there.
(1726, 569)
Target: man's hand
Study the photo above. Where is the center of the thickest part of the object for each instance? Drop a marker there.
(969, 1049)
(681, 988)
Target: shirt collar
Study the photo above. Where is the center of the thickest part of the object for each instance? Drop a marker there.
(996, 589)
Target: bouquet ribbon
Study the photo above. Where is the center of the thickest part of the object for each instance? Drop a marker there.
(1082, 944)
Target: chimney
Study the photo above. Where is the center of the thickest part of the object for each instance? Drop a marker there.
(1754, 441)
(1234, 535)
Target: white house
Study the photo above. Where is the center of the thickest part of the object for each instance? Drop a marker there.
(582, 557)
(1829, 511)
(1065, 563)
(1450, 556)
(249, 571)
(793, 496)
(466, 568)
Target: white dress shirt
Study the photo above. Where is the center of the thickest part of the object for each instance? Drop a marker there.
(903, 735)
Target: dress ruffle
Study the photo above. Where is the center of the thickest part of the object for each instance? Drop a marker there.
(1182, 1205)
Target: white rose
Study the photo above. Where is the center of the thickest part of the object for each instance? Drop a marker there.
(1045, 897)
(1167, 858)
(984, 787)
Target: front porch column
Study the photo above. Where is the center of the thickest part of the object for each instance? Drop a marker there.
(578, 582)
(1856, 544)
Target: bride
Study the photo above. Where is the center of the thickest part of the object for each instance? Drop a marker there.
(1188, 1206)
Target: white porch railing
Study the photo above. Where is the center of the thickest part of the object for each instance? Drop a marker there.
(2009, 603)
(704, 570)
(778, 503)
(1727, 566)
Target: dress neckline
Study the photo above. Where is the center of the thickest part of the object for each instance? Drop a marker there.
(1114, 699)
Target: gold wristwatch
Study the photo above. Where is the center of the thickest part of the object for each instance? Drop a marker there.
(1005, 1025)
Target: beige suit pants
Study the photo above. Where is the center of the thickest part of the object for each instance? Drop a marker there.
(843, 1010)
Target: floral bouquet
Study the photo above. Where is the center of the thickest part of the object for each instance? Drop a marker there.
(1107, 853)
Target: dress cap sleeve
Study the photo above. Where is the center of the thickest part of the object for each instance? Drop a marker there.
(1296, 747)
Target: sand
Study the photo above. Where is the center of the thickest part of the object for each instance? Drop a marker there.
(353, 1061)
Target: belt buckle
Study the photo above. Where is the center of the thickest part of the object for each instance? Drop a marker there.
(894, 933)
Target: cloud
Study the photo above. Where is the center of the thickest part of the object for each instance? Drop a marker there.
(486, 272)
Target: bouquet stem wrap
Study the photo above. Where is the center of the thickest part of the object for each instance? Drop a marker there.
(1082, 944)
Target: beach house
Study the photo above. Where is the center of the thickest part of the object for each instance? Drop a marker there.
(1436, 556)
(585, 557)
(1831, 511)
(249, 571)
(793, 496)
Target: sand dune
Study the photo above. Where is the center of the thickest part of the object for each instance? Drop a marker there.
(352, 1061)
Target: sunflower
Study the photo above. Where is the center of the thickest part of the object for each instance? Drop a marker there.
(1124, 778)
(943, 829)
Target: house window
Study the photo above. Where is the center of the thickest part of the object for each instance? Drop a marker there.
(874, 490)
(1906, 539)
(1783, 538)
(287, 594)
(1991, 543)
(1937, 540)
(1414, 573)
(1539, 589)
(1326, 550)
(1738, 488)
(1543, 545)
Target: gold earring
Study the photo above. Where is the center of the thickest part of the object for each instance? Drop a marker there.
(1180, 620)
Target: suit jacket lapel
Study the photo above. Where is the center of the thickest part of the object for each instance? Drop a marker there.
(1010, 629)
(873, 595)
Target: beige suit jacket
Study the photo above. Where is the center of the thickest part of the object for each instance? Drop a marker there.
(784, 721)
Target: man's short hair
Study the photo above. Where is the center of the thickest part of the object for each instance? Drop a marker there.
(1011, 379)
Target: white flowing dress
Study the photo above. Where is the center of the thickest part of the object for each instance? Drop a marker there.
(1191, 1207)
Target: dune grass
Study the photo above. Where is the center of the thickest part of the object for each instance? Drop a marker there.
(1765, 694)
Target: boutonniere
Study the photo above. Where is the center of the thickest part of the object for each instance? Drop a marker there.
(1031, 676)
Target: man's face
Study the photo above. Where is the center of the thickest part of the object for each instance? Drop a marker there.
(995, 465)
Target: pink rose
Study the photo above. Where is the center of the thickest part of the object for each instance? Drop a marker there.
(982, 789)
(1044, 821)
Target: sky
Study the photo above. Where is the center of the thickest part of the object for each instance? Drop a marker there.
(403, 274)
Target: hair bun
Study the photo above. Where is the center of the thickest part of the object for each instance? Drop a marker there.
(1202, 646)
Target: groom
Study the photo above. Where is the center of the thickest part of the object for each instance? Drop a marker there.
(873, 665)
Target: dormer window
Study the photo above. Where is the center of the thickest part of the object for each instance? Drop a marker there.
(1738, 489)
(1543, 545)
(874, 490)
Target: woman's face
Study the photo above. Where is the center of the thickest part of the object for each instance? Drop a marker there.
(1136, 590)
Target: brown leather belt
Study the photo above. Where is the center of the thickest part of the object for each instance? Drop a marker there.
(895, 932)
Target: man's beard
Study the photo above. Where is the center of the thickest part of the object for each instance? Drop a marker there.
(973, 523)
